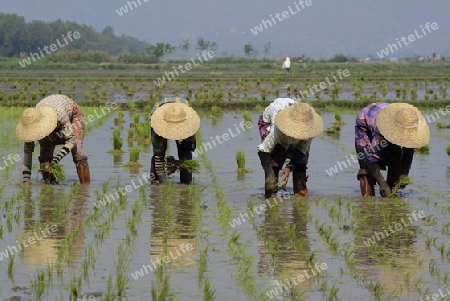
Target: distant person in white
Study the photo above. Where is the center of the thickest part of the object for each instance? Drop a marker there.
(287, 66)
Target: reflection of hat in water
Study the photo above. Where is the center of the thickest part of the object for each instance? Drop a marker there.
(175, 121)
(404, 125)
(36, 123)
(45, 251)
(178, 252)
(299, 121)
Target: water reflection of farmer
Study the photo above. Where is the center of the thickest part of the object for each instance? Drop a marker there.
(177, 233)
(56, 120)
(285, 253)
(388, 237)
(385, 136)
(48, 247)
(286, 129)
(173, 119)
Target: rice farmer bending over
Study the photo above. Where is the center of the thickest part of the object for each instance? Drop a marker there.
(386, 136)
(173, 119)
(56, 120)
(286, 130)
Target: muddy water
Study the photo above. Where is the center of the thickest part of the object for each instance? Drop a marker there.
(281, 240)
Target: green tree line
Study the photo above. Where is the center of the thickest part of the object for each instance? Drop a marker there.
(19, 38)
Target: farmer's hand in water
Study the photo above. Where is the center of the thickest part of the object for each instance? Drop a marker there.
(284, 173)
(402, 178)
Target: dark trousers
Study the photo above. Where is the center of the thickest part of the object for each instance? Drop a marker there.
(396, 160)
(273, 165)
(185, 149)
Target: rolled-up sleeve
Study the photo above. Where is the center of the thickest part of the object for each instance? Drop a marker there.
(69, 138)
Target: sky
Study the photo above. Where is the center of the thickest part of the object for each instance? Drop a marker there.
(323, 29)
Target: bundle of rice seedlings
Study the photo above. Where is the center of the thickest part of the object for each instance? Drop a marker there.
(119, 120)
(338, 118)
(333, 129)
(423, 150)
(56, 171)
(215, 111)
(405, 181)
(134, 157)
(191, 165)
(117, 142)
(240, 160)
(247, 116)
(258, 108)
(173, 165)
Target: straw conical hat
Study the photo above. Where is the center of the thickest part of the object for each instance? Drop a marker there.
(36, 123)
(299, 121)
(175, 121)
(404, 125)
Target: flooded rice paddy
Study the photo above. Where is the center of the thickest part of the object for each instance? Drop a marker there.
(216, 240)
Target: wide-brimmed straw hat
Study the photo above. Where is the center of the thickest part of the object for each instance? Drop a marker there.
(36, 123)
(404, 125)
(175, 121)
(299, 121)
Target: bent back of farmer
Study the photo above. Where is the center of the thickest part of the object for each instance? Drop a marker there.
(286, 130)
(56, 120)
(385, 138)
(173, 119)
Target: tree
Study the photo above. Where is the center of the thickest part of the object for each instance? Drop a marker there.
(202, 44)
(108, 31)
(160, 49)
(213, 46)
(185, 47)
(249, 50)
(266, 49)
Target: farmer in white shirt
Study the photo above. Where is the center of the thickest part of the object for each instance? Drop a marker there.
(287, 133)
(287, 66)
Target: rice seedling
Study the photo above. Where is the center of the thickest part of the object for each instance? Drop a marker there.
(203, 261)
(11, 265)
(209, 293)
(258, 108)
(448, 150)
(134, 157)
(160, 286)
(216, 111)
(240, 160)
(121, 268)
(423, 150)
(441, 125)
(143, 131)
(130, 134)
(117, 142)
(247, 116)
